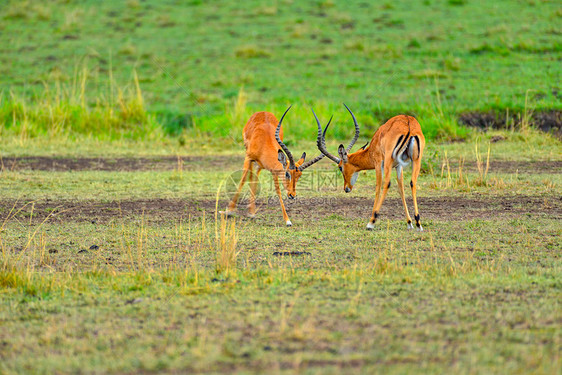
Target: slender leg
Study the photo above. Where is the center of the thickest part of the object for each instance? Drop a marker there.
(232, 206)
(400, 180)
(254, 180)
(416, 166)
(386, 186)
(379, 175)
(278, 190)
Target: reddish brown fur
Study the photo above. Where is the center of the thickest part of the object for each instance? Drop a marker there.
(260, 143)
(380, 150)
(262, 148)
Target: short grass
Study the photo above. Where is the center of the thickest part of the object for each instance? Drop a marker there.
(135, 272)
(444, 165)
(472, 295)
(74, 66)
(174, 290)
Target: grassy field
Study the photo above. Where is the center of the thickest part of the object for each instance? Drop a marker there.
(120, 264)
(120, 135)
(80, 67)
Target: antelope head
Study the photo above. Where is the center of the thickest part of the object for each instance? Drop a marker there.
(292, 170)
(349, 170)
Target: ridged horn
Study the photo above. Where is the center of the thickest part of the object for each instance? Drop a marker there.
(283, 146)
(321, 140)
(356, 129)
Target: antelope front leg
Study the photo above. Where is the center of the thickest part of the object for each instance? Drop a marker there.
(278, 190)
(232, 205)
(400, 180)
(416, 166)
(379, 175)
(386, 185)
(254, 180)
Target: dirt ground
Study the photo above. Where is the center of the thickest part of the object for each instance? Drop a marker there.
(545, 120)
(166, 210)
(169, 163)
(172, 210)
(56, 164)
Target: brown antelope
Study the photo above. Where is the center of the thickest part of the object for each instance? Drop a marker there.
(263, 139)
(395, 144)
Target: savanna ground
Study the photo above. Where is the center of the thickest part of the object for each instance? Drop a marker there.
(120, 137)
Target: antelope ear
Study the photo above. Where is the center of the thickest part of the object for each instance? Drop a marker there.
(303, 156)
(282, 158)
(342, 153)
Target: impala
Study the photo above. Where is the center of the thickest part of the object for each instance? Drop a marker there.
(395, 144)
(263, 139)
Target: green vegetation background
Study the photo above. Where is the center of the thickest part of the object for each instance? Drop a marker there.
(69, 67)
(171, 290)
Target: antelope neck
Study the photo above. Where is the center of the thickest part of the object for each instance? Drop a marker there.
(361, 160)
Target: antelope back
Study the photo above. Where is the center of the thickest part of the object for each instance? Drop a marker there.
(259, 139)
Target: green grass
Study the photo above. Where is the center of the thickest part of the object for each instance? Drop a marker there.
(174, 288)
(208, 67)
(201, 178)
(171, 287)
(203, 328)
(466, 296)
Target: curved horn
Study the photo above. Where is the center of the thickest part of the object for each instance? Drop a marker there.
(356, 130)
(285, 148)
(316, 159)
(321, 140)
(310, 162)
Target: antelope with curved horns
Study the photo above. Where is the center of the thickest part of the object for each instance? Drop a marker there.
(395, 144)
(263, 139)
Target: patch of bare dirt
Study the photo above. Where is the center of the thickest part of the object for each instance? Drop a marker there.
(547, 121)
(103, 212)
(62, 164)
(439, 208)
(169, 163)
(170, 210)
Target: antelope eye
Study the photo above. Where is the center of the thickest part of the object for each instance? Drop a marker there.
(341, 170)
(288, 176)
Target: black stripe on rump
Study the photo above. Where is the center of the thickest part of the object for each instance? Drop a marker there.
(405, 140)
(398, 143)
